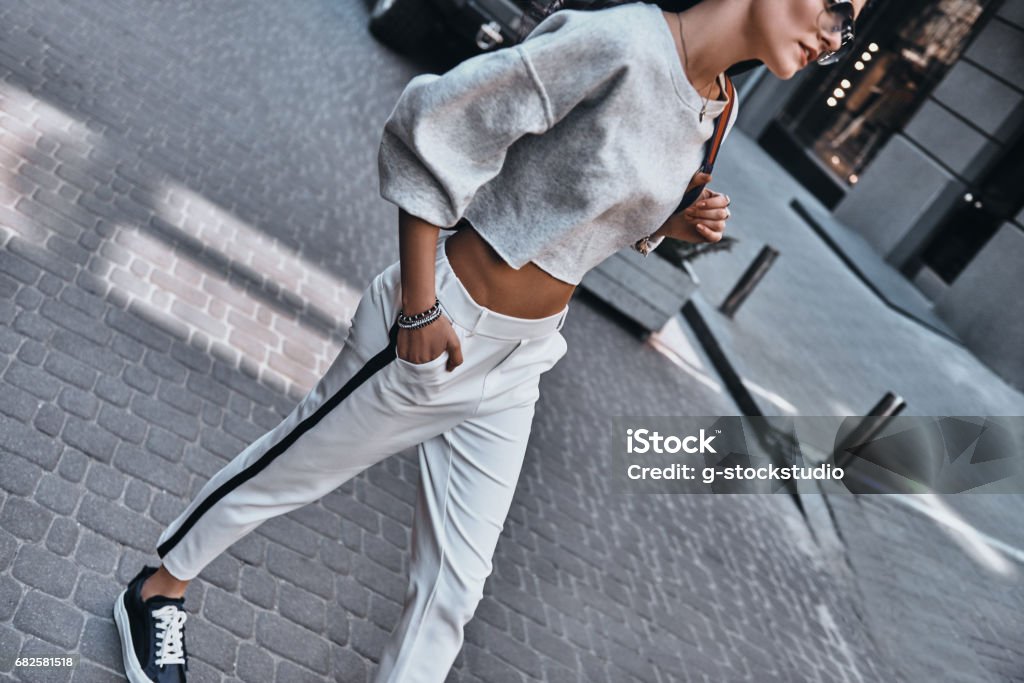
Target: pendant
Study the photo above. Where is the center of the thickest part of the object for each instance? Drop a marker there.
(702, 116)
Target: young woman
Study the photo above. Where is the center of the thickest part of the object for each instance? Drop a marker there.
(549, 156)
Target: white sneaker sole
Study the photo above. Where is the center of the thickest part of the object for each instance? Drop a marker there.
(132, 668)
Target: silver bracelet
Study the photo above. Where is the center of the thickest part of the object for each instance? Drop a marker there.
(411, 322)
(422, 323)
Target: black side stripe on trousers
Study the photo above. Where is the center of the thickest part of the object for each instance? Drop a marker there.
(373, 365)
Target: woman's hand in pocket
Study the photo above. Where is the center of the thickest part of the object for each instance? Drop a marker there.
(426, 343)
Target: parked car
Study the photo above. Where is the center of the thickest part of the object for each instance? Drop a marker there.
(479, 25)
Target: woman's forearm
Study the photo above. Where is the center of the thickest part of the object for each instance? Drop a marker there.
(417, 245)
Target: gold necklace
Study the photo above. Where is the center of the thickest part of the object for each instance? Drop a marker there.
(704, 108)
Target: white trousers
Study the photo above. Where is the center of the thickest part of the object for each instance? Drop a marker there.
(471, 426)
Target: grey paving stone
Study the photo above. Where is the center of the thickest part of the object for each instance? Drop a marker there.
(104, 480)
(348, 666)
(84, 301)
(18, 268)
(87, 672)
(291, 641)
(488, 667)
(137, 495)
(251, 549)
(191, 357)
(180, 398)
(63, 536)
(166, 416)
(118, 523)
(254, 664)
(291, 534)
(74, 400)
(34, 325)
(302, 607)
(140, 379)
(31, 352)
(258, 587)
(367, 638)
(351, 596)
(208, 388)
(33, 380)
(383, 553)
(89, 438)
(38, 567)
(49, 419)
(25, 519)
(141, 464)
(229, 611)
(50, 619)
(370, 575)
(335, 557)
(138, 329)
(241, 429)
(293, 673)
(113, 391)
(165, 366)
(100, 643)
(166, 508)
(71, 371)
(10, 641)
(223, 571)
(165, 444)
(300, 571)
(10, 595)
(127, 348)
(50, 284)
(337, 628)
(72, 319)
(96, 593)
(122, 424)
(72, 464)
(20, 475)
(384, 612)
(212, 644)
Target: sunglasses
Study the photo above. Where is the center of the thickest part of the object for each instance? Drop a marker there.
(837, 17)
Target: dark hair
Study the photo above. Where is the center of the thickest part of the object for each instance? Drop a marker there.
(538, 9)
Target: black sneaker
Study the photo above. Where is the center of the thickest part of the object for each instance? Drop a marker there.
(152, 634)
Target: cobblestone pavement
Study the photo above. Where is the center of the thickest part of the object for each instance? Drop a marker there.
(188, 212)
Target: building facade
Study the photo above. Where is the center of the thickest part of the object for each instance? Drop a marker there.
(916, 143)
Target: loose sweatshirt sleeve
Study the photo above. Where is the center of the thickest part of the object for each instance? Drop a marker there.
(448, 134)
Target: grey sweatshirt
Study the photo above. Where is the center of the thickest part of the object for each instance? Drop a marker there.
(561, 150)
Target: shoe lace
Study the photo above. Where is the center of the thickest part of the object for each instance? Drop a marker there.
(170, 641)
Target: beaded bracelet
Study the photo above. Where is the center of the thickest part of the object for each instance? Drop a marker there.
(412, 322)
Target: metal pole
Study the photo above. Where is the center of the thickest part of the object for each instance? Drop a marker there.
(745, 285)
(887, 408)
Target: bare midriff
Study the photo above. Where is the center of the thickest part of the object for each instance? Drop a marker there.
(527, 292)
